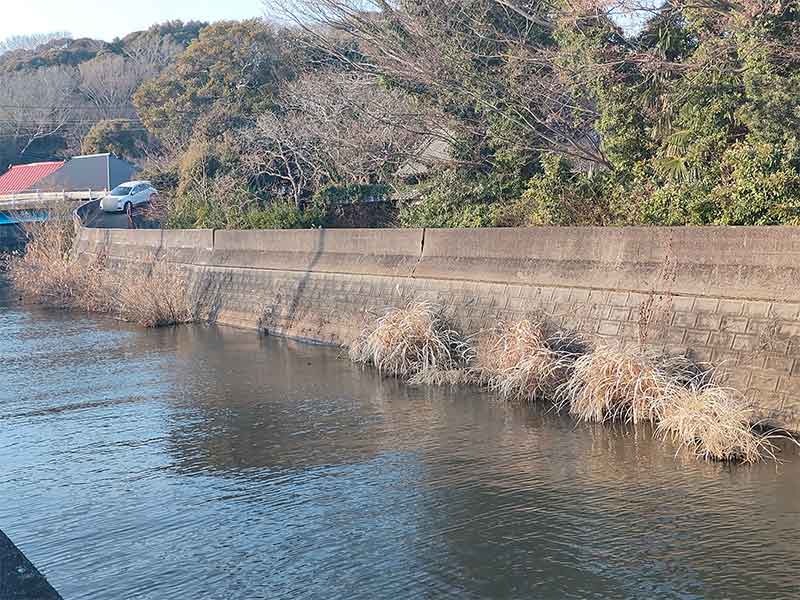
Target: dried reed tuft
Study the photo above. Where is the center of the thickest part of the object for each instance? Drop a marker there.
(521, 361)
(462, 376)
(411, 341)
(615, 384)
(45, 271)
(715, 423)
(151, 294)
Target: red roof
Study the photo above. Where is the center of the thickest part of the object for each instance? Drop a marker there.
(24, 177)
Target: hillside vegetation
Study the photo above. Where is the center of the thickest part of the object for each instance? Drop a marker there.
(540, 112)
(54, 90)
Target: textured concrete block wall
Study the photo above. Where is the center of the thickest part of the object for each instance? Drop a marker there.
(729, 296)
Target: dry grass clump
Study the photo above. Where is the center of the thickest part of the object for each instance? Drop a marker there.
(522, 362)
(714, 423)
(615, 384)
(525, 361)
(635, 386)
(460, 376)
(45, 271)
(412, 342)
(151, 295)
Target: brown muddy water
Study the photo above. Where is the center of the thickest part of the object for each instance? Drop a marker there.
(208, 463)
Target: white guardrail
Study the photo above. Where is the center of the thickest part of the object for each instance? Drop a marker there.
(37, 199)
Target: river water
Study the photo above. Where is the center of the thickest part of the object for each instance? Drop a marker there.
(204, 462)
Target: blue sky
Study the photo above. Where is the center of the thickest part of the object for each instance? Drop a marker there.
(106, 19)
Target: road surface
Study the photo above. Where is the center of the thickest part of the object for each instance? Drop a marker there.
(102, 220)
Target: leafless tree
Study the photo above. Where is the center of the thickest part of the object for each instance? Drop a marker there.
(432, 47)
(333, 128)
(30, 41)
(37, 104)
(109, 82)
(153, 54)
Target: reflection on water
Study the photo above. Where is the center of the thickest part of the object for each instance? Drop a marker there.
(209, 463)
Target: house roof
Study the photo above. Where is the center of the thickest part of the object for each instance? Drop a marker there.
(24, 177)
(434, 151)
(90, 172)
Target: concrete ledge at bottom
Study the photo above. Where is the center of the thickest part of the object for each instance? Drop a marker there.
(19, 579)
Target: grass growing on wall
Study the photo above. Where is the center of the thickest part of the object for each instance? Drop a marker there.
(528, 361)
(151, 293)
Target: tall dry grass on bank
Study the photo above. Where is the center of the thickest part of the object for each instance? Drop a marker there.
(714, 423)
(152, 294)
(611, 384)
(45, 271)
(523, 361)
(678, 397)
(414, 343)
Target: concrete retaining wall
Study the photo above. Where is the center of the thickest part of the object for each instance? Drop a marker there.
(724, 295)
(738, 262)
(390, 252)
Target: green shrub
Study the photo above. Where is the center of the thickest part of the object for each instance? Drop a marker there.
(163, 174)
(677, 203)
(334, 195)
(204, 160)
(432, 211)
(219, 203)
(752, 184)
(182, 217)
(117, 136)
(354, 205)
(461, 199)
(561, 196)
(285, 215)
(759, 185)
(193, 211)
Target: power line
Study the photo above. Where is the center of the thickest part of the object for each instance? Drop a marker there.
(24, 128)
(64, 107)
(37, 122)
(23, 136)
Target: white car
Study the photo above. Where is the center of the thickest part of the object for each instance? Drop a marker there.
(127, 195)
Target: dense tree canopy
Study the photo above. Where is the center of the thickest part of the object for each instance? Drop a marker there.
(564, 116)
(549, 111)
(231, 70)
(116, 136)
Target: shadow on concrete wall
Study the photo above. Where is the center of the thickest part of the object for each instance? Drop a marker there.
(267, 321)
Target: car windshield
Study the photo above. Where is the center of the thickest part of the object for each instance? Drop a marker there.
(121, 190)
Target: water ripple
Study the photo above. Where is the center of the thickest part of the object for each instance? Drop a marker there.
(208, 463)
